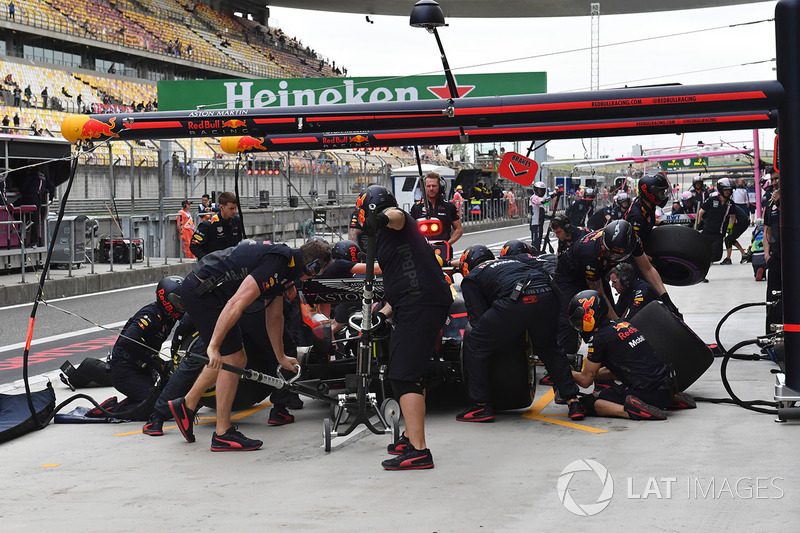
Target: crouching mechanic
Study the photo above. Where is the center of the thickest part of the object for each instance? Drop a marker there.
(504, 298)
(216, 293)
(619, 351)
(135, 365)
(420, 297)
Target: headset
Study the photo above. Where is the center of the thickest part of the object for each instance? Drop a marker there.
(563, 222)
(624, 274)
(314, 267)
(442, 183)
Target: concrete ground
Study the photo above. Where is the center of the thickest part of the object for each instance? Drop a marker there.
(716, 468)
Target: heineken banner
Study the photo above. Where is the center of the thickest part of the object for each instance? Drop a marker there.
(254, 94)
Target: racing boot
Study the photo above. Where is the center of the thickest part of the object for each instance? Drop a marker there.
(638, 410)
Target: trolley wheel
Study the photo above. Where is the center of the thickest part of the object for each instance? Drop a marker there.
(395, 422)
(326, 433)
(334, 408)
(390, 408)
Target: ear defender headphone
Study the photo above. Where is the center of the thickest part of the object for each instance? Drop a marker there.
(314, 267)
(625, 275)
(563, 222)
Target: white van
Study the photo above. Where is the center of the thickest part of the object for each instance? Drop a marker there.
(406, 183)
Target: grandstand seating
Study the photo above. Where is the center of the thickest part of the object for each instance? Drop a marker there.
(217, 39)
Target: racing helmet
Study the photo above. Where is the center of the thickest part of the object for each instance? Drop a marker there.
(686, 195)
(586, 309)
(168, 295)
(724, 184)
(347, 250)
(589, 193)
(473, 256)
(539, 188)
(514, 247)
(623, 199)
(374, 199)
(619, 240)
(655, 188)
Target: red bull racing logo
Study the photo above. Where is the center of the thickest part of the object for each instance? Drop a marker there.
(233, 124)
(97, 129)
(588, 313)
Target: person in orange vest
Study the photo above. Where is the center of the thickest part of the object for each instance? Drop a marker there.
(186, 228)
(458, 199)
(512, 204)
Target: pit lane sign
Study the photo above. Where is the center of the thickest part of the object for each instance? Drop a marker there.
(518, 168)
(693, 162)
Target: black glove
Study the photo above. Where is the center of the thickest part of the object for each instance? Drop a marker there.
(671, 306)
(381, 221)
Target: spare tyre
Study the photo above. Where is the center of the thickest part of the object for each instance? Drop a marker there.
(680, 255)
(674, 343)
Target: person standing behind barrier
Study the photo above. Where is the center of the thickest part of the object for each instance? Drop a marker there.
(222, 230)
(458, 200)
(715, 215)
(185, 224)
(537, 202)
(700, 192)
(206, 209)
(440, 208)
(420, 298)
(772, 253)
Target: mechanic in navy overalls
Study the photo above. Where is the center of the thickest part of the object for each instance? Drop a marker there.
(220, 231)
(216, 293)
(504, 298)
(619, 351)
(420, 298)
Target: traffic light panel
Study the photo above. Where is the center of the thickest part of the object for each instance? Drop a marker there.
(249, 167)
(430, 227)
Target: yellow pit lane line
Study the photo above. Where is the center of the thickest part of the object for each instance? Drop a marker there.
(209, 419)
(534, 414)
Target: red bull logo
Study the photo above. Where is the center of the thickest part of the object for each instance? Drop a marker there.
(621, 325)
(246, 144)
(361, 215)
(233, 124)
(588, 313)
(359, 139)
(97, 129)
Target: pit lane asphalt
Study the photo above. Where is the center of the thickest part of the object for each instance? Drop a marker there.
(717, 468)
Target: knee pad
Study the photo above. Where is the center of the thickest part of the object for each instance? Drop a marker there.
(401, 388)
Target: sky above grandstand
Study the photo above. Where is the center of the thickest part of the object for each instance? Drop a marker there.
(715, 45)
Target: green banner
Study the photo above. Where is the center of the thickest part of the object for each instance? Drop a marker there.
(247, 94)
(694, 162)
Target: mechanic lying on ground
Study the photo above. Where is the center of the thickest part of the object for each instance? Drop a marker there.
(619, 351)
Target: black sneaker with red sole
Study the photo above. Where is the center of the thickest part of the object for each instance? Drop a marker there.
(638, 410)
(412, 459)
(399, 447)
(280, 416)
(184, 417)
(681, 400)
(576, 411)
(154, 427)
(476, 413)
(233, 441)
